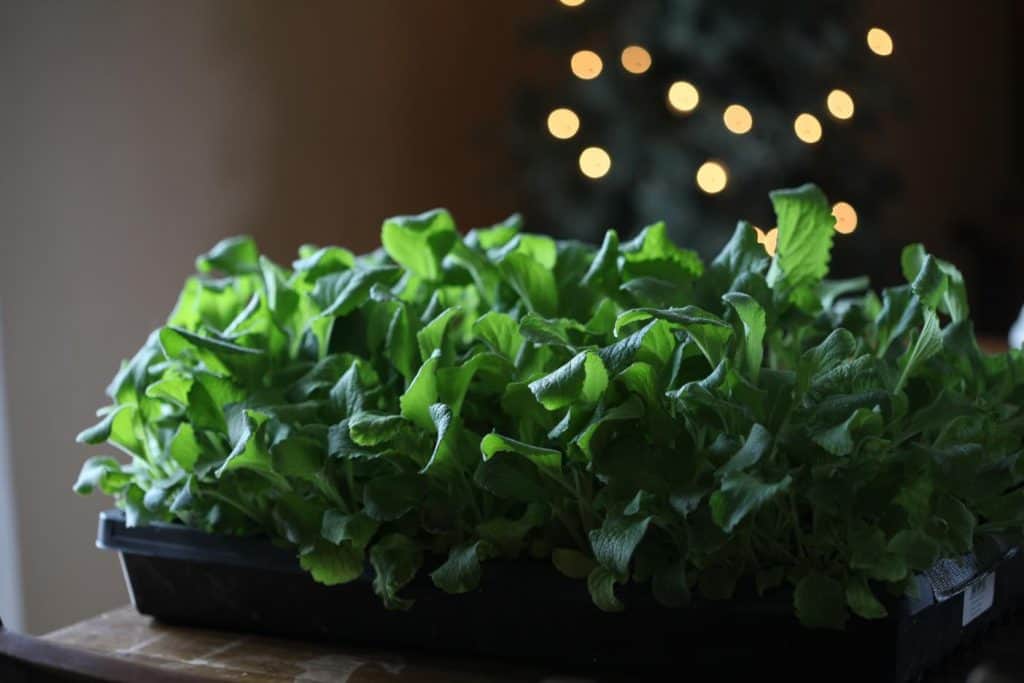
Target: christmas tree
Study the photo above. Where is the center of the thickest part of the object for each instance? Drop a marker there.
(690, 111)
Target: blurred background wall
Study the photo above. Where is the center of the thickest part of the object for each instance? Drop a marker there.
(135, 134)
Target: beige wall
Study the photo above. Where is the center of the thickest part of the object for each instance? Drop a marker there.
(134, 134)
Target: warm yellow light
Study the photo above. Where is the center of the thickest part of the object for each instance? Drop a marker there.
(711, 177)
(880, 42)
(586, 65)
(636, 59)
(807, 128)
(572, 3)
(769, 239)
(846, 218)
(683, 96)
(840, 104)
(738, 119)
(595, 162)
(563, 123)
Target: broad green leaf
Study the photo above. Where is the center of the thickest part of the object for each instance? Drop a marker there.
(220, 356)
(573, 563)
(841, 439)
(419, 243)
(510, 477)
(431, 336)
(741, 254)
(104, 473)
(338, 294)
(916, 548)
(930, 284)
(820, 602)
(233, 256)
(547, 459)
(753, 318)
(532, 281)
(500, 332)
(631, 409)
(604, 269)
(461, 572)
(421, 394)
(601, 584)
(862, 601)
(742, 494)
(318, 262)
(388, 498)
(758, 443)
(356, 529)
(616, 541)
(582, 380)
(652, 254)
(184, 448)
(805, 226)
(373, 429)
(333, 564)
(927, 344)
(395, 559)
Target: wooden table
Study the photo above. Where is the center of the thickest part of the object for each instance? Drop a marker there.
(128, 637)
(220, 656)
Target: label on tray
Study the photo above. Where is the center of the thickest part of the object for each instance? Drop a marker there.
(978, 597)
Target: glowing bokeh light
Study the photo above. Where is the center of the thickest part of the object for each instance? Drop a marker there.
(846, 218)
(807, 128)
(563, 123)
(840, 104)
(595, 162)
(769, 239)
(712, 177)
(635, 59)
(683, 96)
(880, 42)
(586, 64)
(737, 119)
(572, 3)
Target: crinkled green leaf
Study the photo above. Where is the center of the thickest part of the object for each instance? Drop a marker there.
(616, 541)
(806, 227)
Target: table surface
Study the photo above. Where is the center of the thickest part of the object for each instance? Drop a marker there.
(224, 656)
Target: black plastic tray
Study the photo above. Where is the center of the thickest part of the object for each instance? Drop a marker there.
(527, 611)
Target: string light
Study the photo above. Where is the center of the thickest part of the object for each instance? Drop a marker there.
(840, 104)
(586, 65)
(846, 218)
(807, 128)
(712, 177)
(563, 123)
(880, 42)
(635, 59)
(572, 3)
(769, 239)
(683, 96)
(595, 162)
(737, 119)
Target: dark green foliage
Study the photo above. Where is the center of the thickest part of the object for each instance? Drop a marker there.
(623, 412)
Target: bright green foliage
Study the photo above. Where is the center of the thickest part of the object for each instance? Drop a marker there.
(623, 412)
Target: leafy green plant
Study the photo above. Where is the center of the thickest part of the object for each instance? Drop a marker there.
(624, 412)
